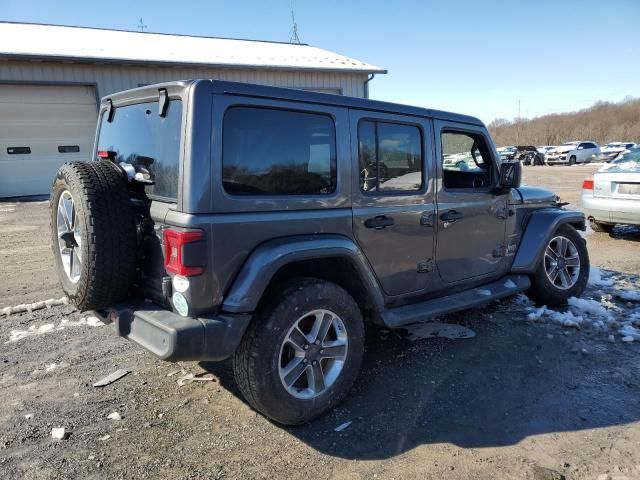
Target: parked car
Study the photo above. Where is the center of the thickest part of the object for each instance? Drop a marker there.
(571, 153)
(612, 195)
(528, 155)
(267, 225)
(507, 153)
(544, 149)
(612, 150)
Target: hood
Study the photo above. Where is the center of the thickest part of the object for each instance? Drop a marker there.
(532, 195)
(564, 149)
(616, 149)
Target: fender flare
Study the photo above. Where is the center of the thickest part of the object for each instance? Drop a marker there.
(541, 226)
(263, 263)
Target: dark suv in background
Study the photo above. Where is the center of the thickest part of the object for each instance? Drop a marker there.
(270, 225)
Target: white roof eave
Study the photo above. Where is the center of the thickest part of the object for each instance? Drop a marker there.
(79, 44)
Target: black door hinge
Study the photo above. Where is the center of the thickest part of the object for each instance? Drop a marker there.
(425, 266)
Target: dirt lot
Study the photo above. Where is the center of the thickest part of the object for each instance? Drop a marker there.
(522, 399)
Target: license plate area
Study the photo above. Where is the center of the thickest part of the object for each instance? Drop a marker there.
(628, 189)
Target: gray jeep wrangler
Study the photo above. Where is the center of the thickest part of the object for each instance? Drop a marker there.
(223, 220)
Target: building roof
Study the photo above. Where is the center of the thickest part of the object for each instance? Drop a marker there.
(57, 42)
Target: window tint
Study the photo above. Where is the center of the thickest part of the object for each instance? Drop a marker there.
(466, 161)
(390, 157)
(278, 152)
(143, 138)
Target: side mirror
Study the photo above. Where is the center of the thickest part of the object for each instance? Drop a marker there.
(510, 174)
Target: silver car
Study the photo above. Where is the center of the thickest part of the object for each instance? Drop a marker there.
(612, 195)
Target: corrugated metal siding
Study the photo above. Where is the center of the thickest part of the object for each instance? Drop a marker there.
(111, 78)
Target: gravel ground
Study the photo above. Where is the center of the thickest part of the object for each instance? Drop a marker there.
(520, 400)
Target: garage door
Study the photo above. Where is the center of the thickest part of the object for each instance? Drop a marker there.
(41, 127)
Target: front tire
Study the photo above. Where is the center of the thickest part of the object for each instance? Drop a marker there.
(563, 271)
(302, 352)
(572, 160)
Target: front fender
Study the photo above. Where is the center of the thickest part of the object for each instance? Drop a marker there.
(541, 226)
(268, 258)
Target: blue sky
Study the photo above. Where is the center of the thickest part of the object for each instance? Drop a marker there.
(470, 56)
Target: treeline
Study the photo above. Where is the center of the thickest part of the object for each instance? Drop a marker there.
(603, 122)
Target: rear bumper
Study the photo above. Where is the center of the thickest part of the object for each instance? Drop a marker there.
(612, 210)
(175, 338)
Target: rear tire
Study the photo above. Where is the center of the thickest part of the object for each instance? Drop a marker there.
(103, 243)
(569, 281)
(266, 359)
(600, 227)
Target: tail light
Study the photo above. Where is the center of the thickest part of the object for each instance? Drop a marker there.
(587, 184)
(106, 154)
(184, 252)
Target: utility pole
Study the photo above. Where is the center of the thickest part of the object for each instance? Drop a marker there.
(519, 122)
(141, 26)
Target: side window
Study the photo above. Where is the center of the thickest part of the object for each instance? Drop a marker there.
(390, 157)
(466, 161)
(278, 152)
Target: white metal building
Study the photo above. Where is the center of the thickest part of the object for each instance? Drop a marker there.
(52, 77)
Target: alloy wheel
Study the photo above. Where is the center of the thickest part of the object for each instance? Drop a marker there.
(562, 262)
(313, 354)
(69, 236)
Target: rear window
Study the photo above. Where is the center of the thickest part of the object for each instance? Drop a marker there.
(278, 152)
(140, 136)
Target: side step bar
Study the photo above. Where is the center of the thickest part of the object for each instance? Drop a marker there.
(419, 312)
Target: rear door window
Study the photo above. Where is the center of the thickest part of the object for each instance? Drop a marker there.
(141, 137)
(267, 151)
(390, 157)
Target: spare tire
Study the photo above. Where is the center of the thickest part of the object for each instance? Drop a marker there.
(93, 233)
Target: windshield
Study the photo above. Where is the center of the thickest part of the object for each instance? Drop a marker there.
(140, 136)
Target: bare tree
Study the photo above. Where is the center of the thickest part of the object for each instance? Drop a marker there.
(602, 122)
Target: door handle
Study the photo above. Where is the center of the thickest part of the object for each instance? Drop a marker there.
(378, 222)
(451, 216)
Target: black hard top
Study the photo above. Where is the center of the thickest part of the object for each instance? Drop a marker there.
(249, 89)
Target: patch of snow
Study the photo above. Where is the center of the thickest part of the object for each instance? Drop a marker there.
(630, 331)
(597, 278)
(590, 307)
(51, 366)
(509, 284)
(483, 291)
(30, 307)
(58, 433)
(114, 416)
(16, 335)
(628, 295)
(628, 339)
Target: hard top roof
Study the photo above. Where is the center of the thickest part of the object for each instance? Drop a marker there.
(248, 89)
